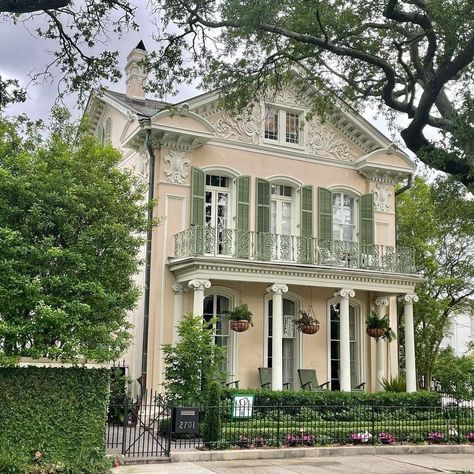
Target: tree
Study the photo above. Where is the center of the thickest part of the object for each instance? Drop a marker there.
(437, 221)
(194, 362)
(413, 57)
(455, 374)
(82, 32)
(70, 227)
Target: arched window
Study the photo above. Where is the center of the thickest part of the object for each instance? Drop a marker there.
(283, 220)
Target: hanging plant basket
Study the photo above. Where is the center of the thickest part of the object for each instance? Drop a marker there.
(375, 332)
(240, 325)
(307, 323)
(311, 328)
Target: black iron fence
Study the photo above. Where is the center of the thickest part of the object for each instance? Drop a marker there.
(139, 427)
(145, 426)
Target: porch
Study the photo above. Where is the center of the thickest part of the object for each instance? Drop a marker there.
(346, 357)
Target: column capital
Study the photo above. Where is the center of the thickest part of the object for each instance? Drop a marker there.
(409, 298)
(179, 288)
(199, 284)
(277, 288)
(381, 301)
(345, 293)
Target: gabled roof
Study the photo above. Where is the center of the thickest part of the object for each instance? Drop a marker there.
(143, 108)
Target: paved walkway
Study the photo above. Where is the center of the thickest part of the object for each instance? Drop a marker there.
(376, 464)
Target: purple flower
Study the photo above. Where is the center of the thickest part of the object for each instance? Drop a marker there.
(435, 437)
(386, 438)
(361, 437)
(308, 439)
(470, 436)
(290, 439)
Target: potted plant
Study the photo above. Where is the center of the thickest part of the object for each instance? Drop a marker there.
(240, 318)
(379, 327)
(307, 323)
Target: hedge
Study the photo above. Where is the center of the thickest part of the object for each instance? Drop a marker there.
(328, 398)
(58, 413)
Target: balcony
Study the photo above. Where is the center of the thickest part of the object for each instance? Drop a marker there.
(261, 246)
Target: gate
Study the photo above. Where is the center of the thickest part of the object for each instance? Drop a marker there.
(140, 427)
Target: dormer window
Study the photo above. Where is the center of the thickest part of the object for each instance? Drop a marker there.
(282, 126)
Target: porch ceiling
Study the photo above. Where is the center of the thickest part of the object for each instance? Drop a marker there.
(292, 274)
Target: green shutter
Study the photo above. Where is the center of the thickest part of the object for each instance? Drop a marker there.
(197, 209)
(366, 212)
(242, 246)
(325, 215)
(306, 224)
(263, 220)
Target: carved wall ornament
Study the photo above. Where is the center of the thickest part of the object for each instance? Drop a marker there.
(322, 141)
(244, 127)
(176, 159)
(382, 197)
(289, 97)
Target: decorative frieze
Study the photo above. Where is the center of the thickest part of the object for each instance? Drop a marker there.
(176, 161)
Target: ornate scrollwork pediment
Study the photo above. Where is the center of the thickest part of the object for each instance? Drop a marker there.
(244, 127)
(322, 141)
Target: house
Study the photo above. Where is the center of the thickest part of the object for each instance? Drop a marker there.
(461, 334)
(272, 210)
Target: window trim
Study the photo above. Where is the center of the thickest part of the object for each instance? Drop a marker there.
(281, 140)
(352, 192)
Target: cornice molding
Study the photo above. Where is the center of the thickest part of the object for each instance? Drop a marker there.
(297, 274)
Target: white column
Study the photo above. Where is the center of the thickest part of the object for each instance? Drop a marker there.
(277, 334)
(198, 301)
(344, 339)
(410, 364)
(178, 289)
(380, 303)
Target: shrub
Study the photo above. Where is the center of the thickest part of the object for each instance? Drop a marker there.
(58, 413)
(395, 384)
(212, 421)
(194, 361)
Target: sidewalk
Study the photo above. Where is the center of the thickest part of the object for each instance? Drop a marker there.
(390, 464)
(333, 460)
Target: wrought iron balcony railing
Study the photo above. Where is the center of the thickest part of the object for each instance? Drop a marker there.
(291, 249)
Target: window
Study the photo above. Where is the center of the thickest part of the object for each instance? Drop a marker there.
(217, 214)
(283, 221)
(282, 126)
(343, 217)
(354, 341)
(214, 307)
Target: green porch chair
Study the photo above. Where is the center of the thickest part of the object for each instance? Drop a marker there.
(309, 381)
(266, 378)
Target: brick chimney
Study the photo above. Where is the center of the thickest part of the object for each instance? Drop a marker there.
(136, 77)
